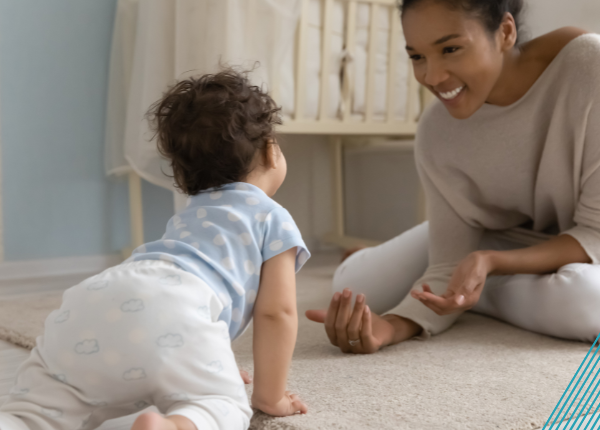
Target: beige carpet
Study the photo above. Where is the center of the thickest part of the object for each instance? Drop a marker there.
(482, 374)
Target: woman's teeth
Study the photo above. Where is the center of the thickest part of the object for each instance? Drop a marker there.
(451, 94)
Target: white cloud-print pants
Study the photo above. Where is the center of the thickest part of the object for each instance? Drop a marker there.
(563, 304)
(139, 334)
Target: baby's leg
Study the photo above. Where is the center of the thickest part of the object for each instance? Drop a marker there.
(43, 401)
(201, 382)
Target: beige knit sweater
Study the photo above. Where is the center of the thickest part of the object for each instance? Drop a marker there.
(529, 168)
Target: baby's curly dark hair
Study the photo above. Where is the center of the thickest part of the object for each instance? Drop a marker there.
(211, 128)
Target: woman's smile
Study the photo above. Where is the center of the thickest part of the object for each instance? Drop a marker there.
(451, 95)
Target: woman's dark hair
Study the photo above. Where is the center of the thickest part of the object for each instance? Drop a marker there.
(211, 128)
(490, 12)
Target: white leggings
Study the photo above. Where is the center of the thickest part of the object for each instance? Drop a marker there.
(565, 304)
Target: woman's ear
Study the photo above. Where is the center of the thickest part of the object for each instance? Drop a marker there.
(508, 32)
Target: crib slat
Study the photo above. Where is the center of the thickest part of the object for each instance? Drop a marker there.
(371, 62)
(325, 59)
(301, 61)
(349, 66)
(392, 59)
(275, 72)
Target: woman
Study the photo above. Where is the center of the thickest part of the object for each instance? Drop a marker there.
(509, 158)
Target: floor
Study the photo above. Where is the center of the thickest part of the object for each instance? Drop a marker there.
(12, 356)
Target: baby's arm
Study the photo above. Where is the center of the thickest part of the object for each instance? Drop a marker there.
(275, 329)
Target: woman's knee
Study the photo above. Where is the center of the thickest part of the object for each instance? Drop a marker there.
(400, 260)
(341, 279)
(583, 291)
(582, 280)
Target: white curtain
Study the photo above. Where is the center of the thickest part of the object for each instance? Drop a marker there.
(157, 42)
(543, 16)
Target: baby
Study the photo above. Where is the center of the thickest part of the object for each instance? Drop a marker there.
(157, 329)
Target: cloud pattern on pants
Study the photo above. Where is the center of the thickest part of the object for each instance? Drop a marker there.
(215, 366)
(98, 285)
(133, 305)
(170, 340)
(87, 347)
(62, 317)
(134, 374)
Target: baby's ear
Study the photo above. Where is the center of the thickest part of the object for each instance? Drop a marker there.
(271, 154)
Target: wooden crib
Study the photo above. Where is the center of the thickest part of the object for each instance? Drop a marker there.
(348, 76)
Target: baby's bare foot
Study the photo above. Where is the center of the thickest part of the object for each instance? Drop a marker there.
(153, 421)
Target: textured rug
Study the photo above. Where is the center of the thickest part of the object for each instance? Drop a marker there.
(482, 374)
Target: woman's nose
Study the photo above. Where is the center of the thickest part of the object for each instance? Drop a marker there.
(435, 74)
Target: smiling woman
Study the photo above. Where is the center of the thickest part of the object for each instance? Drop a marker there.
(509, 158)
(472, 47)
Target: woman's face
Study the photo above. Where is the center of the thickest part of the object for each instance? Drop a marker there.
(453, 55)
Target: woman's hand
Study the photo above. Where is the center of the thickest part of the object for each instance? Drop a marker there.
(367, 331)
(464, 289)
(289, 404)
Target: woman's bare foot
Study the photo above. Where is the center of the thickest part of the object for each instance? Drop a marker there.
(154, 421)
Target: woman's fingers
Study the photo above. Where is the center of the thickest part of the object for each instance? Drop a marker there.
(366, 333)
(331, 318)
(316, 315)
(439, 305)
(356, 320)
(341, 321)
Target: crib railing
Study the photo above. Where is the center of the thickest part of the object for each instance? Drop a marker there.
(344, 124)
(336, 128)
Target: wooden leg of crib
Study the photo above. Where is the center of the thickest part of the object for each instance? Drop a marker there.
(337, 236)
(337, 191)
(337, 153)
(136, 214)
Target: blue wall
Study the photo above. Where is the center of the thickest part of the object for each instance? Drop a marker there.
(57, 201)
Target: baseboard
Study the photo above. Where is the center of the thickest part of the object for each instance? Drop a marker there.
(32, 276)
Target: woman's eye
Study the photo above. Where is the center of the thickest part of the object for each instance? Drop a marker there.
(415, 57)
(450, 49)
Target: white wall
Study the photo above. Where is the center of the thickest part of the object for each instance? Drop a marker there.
(56, 200)
(306, 191)
(543, 16)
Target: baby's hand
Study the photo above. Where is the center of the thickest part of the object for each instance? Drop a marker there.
(246, 377)
(290, 404)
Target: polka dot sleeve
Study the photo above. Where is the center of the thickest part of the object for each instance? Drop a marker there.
(281, 234)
